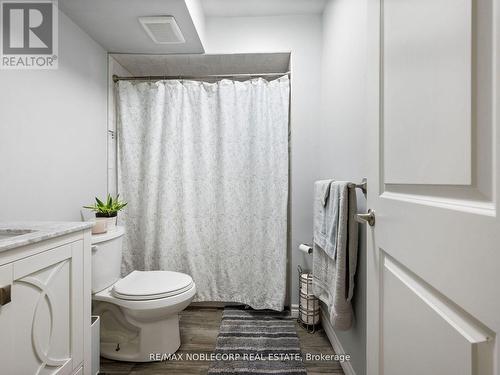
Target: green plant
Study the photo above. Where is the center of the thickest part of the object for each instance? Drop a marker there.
(109, 208)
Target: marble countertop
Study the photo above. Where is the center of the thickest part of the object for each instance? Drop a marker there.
(17, 234)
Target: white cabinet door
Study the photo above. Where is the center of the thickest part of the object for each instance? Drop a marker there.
(433, 261)
(42, 326)
(7, 327)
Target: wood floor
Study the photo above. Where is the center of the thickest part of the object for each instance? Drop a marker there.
(199, 329)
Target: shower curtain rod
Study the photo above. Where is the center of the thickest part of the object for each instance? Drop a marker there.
(211, 76)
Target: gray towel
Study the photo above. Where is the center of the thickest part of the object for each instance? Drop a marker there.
(321, 195)
(335, 249)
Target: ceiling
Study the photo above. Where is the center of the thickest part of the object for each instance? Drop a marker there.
(199, 65)
(114, 24)
(235, 8)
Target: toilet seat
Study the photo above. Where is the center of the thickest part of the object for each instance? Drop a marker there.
(149, 285)
(106, 295)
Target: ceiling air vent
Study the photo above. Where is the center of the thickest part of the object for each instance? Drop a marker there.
(162, 29)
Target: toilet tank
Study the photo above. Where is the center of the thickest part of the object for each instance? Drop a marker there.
(106, 258)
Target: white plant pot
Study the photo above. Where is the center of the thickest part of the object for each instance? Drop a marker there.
(100, 225)
(111, 222)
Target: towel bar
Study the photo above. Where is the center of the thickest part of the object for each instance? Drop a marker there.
(362, 185)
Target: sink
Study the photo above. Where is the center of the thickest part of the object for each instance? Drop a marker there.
(6, 234)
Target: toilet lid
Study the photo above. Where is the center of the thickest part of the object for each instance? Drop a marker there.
(144, 285)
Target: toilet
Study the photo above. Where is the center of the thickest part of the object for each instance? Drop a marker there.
(139, 312)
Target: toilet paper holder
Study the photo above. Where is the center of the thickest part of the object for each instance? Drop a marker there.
(309, 306)
(306, 248)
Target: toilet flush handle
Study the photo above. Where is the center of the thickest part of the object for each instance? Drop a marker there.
(94, 248)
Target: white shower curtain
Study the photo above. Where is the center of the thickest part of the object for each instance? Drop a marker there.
(204, 167)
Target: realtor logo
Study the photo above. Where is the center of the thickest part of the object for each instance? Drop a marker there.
(29, 34)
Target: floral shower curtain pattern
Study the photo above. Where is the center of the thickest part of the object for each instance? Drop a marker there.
(204, 167)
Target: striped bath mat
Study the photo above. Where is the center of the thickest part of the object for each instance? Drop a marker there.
(257, 342)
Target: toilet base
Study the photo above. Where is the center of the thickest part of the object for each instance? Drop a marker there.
(125, 339)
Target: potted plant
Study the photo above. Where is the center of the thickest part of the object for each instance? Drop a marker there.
(108, 210)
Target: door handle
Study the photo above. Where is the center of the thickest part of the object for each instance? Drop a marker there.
(5, 295)
(367, 218)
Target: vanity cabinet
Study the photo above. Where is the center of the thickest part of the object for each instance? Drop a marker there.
(45, 323)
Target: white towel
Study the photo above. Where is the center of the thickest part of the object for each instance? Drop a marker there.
(335, 249)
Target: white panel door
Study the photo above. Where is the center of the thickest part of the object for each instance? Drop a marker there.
(433, 259)
(427, 91)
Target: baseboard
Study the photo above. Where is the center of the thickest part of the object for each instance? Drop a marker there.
(294, 309)
(334, 340)
(217, 305)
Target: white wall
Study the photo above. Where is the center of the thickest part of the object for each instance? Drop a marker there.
(53, 132)
(301, 35)
(197, 14)
(343, 141)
